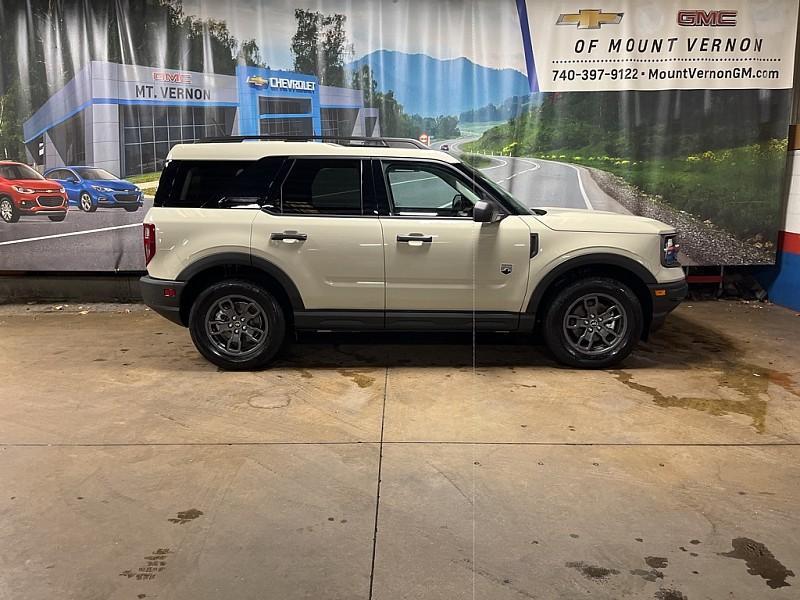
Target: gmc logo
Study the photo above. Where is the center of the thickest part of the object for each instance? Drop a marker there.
(710, 18)
(185, 78)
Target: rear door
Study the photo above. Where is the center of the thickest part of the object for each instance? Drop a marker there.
(321, 228)
(438, 260)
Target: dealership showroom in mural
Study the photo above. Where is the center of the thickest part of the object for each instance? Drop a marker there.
(468, 299)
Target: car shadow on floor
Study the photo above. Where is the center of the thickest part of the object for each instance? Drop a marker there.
(680, 343)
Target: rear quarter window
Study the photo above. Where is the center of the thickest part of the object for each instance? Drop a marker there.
(218, 184)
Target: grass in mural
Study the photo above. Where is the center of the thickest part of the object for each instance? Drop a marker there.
(145, 177)
(476, 160)
(735, 188)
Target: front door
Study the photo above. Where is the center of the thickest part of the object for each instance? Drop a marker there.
(438, 260)
(322, 230)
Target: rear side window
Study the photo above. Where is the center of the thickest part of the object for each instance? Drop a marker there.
(323, 187)
(217, 184)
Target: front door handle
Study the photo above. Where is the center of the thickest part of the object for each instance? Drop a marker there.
(415, 237)
(289, 235)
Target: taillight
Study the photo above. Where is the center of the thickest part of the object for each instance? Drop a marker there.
(149, 238)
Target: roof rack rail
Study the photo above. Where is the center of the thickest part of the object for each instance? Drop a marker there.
(386, 142)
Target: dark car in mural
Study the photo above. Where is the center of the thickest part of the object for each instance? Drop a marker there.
(90, 187)
(24, 191)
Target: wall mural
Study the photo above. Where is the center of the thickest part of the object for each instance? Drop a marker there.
(640, 106)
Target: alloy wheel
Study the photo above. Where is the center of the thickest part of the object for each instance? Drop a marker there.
(6, 210)
(86, 202)
(595, 324)
(237, 326)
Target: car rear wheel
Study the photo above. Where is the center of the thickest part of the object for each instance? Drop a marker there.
(237, 325)
(8, 210)
(57, 218)
(86, 204)
(593, 323)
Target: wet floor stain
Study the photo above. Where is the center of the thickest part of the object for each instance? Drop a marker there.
(593, 572)
(360, 379)
(651, 575)
(669, 594)
(155, 563)
(754, 405)
(760, 562)
(656, 562)
(185, 516)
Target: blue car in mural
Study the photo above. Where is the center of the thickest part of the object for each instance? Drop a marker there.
(90, 187)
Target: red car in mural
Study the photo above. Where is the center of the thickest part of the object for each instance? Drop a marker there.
(23, 191)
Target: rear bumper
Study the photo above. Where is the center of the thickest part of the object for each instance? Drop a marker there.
(168, 307)
(666, 297)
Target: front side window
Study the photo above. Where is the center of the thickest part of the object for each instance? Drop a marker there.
(323, 187)
(418, 188)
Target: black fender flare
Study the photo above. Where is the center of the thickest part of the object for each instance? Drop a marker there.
(594, 260)
(246, 260)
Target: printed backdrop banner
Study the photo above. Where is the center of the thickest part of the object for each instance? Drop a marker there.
(646, 107)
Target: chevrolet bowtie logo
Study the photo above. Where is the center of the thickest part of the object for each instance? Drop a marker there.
(590, 18)
(257, 81)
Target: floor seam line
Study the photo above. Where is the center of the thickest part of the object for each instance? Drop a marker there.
(378, 491)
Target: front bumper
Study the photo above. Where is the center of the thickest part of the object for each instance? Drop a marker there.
(666, 297)
(42, 203)
(168, 306)
(119, 199)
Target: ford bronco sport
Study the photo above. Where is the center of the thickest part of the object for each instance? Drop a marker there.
(249, 240)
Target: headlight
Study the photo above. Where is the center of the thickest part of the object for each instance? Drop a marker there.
(61, 190)
(669, 250)
(22, 190)
(101, 188)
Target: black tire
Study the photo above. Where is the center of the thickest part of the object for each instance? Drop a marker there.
(85, 203)
(609, 341)
(209, 339)
(131, 208)
(8, 210)
(57, 218)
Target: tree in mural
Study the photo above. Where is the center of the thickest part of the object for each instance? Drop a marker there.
(319, 46)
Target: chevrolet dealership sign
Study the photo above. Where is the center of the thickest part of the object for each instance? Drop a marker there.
(282, 83)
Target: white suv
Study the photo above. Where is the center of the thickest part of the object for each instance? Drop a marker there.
(250, 240)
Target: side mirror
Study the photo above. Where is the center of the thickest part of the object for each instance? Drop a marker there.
(483, 212)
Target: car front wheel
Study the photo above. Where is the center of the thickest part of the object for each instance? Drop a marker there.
(237, 325)
(86, 204)
(593, 323)
(8, 211)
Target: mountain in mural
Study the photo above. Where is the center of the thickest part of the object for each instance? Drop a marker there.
(430, 87)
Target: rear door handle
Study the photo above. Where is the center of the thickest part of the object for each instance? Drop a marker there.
(289, 235)
(415, 237)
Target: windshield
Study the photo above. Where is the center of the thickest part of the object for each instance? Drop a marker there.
(92, 173)
(18, 172)
(507, 198)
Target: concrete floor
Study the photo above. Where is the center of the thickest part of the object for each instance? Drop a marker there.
(131, 468)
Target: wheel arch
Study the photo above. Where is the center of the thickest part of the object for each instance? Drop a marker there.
(236, 265)
(624, 269)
